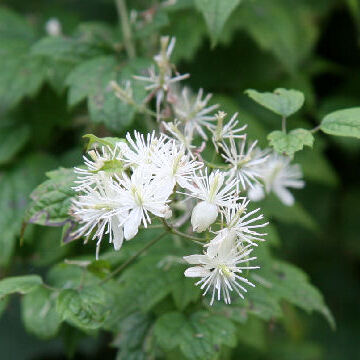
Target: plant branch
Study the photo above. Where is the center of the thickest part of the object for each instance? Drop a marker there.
(125, 27)
(283, 124)
(134, 257)
(174, 231)
(315, 129)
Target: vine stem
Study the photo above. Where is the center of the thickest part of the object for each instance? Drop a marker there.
(180, 233)
(315, 129)
(125, 27)
(283, 124)
(134, 257)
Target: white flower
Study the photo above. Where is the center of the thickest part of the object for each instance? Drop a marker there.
(53, 27)
(227, 131)
(103, 162)
(160, 82)
(142, 152)
(193, 112)
(278, 175)
(245, 163)
(243, 224)
(140, 196)
(100, 212)
(221, 271)
(214, 195)
(175, 167)
(174, 129)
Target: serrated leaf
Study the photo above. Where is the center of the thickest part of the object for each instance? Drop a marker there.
(342, 123)
(19, 284)
(51, 200)
(216, 12)
(15, 187)
(289, 143)
(282, 101)
(84, 308)
(292, 284)
(199, 337)
(13, 137)
(59, 48)
(91, 79)
(39, 315)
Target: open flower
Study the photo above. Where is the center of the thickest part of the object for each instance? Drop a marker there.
(221, 270)
(245, 164)
(277, 175)
(98, 164)
(141, 195)
(99, 211)
(214, 195)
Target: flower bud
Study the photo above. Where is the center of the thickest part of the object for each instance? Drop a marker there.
(203, 215)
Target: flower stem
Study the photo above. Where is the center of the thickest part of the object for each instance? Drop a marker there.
(283, 124)
(174, 231)
(315, 129)
(134, 257)
(125, 27)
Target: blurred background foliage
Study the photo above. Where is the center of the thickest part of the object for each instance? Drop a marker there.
(55, 89)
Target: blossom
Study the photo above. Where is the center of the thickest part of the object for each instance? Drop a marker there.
(140, 195)
(99, 211)
(245, 164)
(175, 167)
(227, 131)
(174, 129)
(53, 27)
(141, 151)
(221, 270)
(193, 112)
(214, 194)
(160, 82)
(101, 162)
(277, 175)
(243, 224)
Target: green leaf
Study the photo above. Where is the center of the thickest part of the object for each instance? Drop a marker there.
(198, 337)
(91, 79)
(282, 101)
(342, 123)
(293, 37)
(3, 304)
(85, 308)
(292, 284)
(39, 315)
(15, 187)
(60, 48)
(289, 143)
(94, 141)
(216, 12)
(19, 284)
(13, 137)
(51, 200)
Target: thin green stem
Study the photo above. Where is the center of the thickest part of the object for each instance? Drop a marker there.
(217, 166)
(125, 27)
(315, 129)
(174, 231)
(133, 258)
(283, 124)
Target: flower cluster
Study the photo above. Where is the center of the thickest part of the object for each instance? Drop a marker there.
(146, 177)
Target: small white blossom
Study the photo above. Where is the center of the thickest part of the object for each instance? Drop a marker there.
(175, 167)
(53, 27)
(227, 131)
(193, 112)
(141, 151)
(99, 163)
(221, 271)
(99, 211)
(141, 195)
(160, 82)
(277, 175)
(245, 164)
(174, 129)
(214, 195)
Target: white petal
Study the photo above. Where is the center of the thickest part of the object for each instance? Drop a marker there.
(194, 259)
(203, 215)
(131, 225)
(196, 271)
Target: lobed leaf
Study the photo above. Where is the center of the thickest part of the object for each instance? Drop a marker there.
(19, 284)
